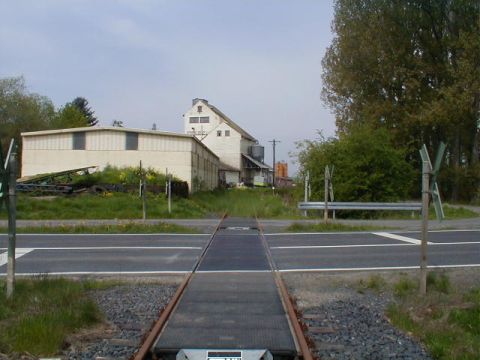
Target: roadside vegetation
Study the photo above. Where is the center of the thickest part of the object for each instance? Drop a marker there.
(446, 320)
(330, 227)
(42, 312)
(122, 228)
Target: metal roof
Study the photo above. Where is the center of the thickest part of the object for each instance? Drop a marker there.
(256, 162)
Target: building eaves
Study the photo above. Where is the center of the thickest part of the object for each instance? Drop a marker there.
(232, 123)
(119, 129)
(256, 162)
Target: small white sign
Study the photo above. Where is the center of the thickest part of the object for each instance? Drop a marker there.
(224, 355)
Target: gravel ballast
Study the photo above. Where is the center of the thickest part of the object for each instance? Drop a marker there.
(129, 312)
(346, 324)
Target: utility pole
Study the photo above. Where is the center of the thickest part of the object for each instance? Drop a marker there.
(274, 143)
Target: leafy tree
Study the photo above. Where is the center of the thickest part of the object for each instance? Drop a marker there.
(82, 105)
(21, 111)
(367, 166)
(69, 116)
(413, 68)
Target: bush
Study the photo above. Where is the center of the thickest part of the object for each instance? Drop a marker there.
(367, 166)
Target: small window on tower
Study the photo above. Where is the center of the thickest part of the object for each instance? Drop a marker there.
(227, 132)
(219, 132)
(199, 109)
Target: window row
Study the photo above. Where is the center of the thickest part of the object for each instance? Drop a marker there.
(199, 119)
(227, 133)
(131, 141)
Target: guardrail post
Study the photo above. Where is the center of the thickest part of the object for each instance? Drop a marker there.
(307, 180)
(426, 169)
(12, 218)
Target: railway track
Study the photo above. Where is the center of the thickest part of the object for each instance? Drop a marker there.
(223, 305)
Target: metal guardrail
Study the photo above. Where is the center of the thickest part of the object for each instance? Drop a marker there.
(406, 206)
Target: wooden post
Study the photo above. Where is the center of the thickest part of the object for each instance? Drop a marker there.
(169, 194)
(325, 212)
(425, 203)
(12, 218)
(143, 194)
(307, 180)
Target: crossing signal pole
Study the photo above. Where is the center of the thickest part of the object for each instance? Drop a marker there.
(274, 143)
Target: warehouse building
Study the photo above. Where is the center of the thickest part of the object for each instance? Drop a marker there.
(183, 155)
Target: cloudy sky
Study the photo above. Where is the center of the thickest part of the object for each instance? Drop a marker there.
(142, 61)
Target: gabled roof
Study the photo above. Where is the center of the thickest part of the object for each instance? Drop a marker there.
(230, 122)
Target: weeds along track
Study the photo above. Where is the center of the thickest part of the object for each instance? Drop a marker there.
(234, 298)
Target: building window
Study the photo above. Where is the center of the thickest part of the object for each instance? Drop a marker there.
(131, 141)
(204, 119)
(199, 109)
(227, 132)
(194, 120)
(78, 141)
(219, 132)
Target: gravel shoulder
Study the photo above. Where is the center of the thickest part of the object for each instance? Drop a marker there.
(345, 323)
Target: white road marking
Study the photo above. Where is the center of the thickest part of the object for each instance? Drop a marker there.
(337, 246)
(230, 271)
(368, 245)
(398, 237)
(120, 248)
(379, 268)
(19, 252)
(368, 232)
(101, 273)
(122, 234)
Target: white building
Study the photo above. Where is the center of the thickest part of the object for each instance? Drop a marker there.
(241, 157)
(58, 150)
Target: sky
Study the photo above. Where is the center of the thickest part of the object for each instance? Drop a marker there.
(143, 61)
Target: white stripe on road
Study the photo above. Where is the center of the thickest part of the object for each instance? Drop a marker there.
(367, 245)
(72, 273)
(380, 268)
(93, 234)
(398, 237)
(120, 248)
(18, 253)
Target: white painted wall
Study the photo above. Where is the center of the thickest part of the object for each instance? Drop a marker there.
(184, 157)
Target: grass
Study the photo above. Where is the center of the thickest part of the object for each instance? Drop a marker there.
(42, 312)
(330, 227)
(248, 202)
(446, 320)
(262, 203)
(127, 228)
(375, 283)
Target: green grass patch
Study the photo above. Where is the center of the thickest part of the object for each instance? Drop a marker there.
(330, 227)
(127, 228)
(262, 203)
(103, 206)
(375, 283)
(446, 320)
(42, 312)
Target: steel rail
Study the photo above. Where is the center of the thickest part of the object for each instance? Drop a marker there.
(165, 315)
(298, 334)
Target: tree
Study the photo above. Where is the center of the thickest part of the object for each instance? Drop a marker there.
(413, 68)
(21, 111)
(82, 105)
(69, 116)
(367, 166)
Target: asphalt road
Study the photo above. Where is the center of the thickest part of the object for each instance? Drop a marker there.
(174, 253)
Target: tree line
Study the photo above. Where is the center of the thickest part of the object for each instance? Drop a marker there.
(409, 68)
(23, 111)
